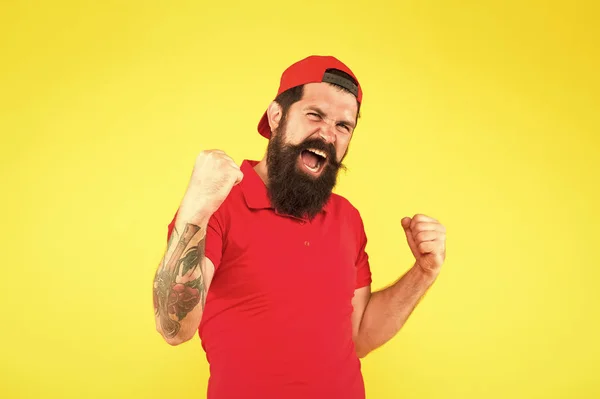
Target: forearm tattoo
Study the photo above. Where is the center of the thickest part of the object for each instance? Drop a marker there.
(177, 289)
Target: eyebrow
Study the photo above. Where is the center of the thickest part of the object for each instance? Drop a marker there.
(320, 112)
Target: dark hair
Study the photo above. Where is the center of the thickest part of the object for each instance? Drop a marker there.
(290, 96)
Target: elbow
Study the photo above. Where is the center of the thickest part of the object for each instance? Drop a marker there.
(361, 353)
(178, 339)
(360, 349)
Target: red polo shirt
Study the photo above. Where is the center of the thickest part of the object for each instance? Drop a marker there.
(277, 321)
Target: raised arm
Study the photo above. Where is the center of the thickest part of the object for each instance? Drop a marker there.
(378, 317)
(181, 282)
(184, 275)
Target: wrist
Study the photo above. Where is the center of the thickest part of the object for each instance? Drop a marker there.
(198, 217)
(427, 275)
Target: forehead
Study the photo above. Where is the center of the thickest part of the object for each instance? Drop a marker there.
(329, 99)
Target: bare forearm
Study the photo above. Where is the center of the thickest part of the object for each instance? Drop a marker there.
(388, 309)
(179, 283)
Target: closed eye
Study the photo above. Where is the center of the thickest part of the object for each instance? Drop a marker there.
(344, 126)
(314, 115)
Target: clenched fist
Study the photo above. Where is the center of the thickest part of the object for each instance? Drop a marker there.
(213, 177)
(427, 240)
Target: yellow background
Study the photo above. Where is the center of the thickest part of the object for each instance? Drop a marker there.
(481, 114)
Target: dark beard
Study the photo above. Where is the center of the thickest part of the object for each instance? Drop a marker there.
(292, 191)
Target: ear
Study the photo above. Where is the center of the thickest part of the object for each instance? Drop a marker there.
(274, 114)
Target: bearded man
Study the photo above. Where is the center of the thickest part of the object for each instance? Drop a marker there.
(270, 267)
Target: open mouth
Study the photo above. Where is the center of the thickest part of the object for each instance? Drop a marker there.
(313, 160)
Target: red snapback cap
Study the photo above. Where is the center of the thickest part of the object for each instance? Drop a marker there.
(312, 69)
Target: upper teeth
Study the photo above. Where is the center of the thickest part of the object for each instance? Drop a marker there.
(318, 152)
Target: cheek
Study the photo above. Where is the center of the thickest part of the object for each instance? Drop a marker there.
(341, 148)
(297, 132)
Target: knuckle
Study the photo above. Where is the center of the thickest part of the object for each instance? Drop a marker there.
(206, 155)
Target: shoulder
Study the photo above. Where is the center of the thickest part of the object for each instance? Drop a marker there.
(341, 202)
(342, 207)
(349, 218)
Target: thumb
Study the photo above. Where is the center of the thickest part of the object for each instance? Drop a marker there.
(406, 222)
(409, 237)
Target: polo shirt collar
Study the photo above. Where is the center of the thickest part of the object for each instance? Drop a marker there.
(255, 190)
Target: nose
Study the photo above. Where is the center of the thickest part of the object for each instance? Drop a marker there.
(327, 133)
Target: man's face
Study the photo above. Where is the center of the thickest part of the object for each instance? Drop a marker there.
(307, 149)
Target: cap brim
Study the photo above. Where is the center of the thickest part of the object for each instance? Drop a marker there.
(263, 126)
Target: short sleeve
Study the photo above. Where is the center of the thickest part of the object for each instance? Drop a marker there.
(213, 241)
(363, 269)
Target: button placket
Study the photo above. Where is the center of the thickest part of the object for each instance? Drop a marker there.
(307, 241)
